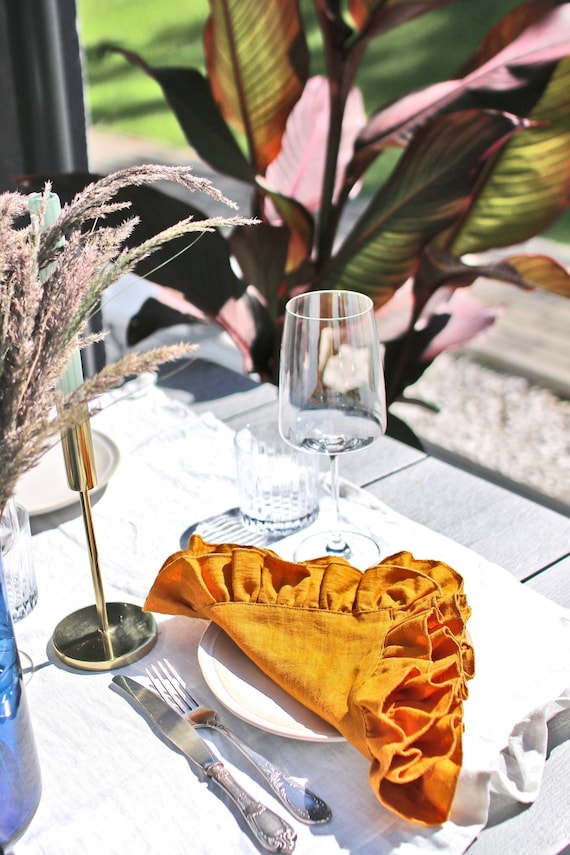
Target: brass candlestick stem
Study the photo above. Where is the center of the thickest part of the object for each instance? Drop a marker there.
(106, 635)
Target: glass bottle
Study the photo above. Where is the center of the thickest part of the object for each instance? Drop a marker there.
(20, 780)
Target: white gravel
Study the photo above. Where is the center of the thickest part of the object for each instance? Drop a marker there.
(498, 421)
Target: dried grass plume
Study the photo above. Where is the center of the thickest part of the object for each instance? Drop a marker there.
(51, 280)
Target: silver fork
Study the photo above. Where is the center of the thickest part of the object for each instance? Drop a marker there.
(300, 801)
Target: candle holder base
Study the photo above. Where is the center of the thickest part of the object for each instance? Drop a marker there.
(79, 641)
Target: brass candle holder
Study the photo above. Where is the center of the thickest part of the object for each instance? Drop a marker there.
(105, 635)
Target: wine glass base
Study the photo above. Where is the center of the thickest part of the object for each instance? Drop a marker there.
(361, 551)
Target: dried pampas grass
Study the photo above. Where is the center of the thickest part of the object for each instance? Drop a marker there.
(51, 280)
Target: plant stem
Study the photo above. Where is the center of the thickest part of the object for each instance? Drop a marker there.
(326, 233)
(407, 344)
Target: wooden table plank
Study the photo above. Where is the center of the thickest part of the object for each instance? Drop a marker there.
(520, 535)
(241, 406)
(266, 411)
(385, 457)
(205, 385)
(554, 582)
(512, 531)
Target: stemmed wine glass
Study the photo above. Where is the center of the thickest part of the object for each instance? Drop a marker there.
(331, 396)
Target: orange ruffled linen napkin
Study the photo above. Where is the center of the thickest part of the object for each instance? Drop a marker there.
(382, 655)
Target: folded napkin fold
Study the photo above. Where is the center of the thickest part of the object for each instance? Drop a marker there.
(381, 655)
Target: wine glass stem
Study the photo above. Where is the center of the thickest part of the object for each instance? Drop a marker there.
(336, 543)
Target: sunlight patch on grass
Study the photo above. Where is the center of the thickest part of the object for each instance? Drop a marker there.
(120, 97)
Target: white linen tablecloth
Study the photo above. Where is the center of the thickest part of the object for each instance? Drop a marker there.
(112, 786)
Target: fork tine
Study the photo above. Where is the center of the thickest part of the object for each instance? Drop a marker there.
(171, 687)
(164, 690)
(178, 684)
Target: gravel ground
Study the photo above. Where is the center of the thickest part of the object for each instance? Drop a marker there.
(498, 421)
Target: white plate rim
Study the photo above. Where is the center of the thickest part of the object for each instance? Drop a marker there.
(104, 449)
(216, 667)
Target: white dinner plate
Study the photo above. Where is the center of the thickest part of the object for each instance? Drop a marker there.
(247, 692)
(44, 488)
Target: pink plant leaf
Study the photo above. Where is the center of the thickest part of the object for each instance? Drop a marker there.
(298, 169)
(237, 318)
(393, 317)
(545, 42)
(176, 301)
(244, 318)
(469, 317)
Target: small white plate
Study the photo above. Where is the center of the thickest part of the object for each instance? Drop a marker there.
(247, 692)
(44, 488)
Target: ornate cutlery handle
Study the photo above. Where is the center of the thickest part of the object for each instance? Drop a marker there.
(271, 831)
(302, 802)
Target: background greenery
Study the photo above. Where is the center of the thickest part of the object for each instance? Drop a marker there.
(124, 100)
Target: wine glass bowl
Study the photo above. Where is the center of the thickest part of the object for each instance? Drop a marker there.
(331, 394)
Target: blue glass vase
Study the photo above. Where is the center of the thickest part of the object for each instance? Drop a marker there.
(20, 781)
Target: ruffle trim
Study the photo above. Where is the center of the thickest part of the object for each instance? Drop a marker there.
(412, 706)
(205, 573)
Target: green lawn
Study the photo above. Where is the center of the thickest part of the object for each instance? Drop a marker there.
(123, 99)
(120, 97)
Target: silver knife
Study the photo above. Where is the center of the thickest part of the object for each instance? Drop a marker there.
(272, 832)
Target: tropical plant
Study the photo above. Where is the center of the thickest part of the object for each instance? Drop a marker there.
(483, 164)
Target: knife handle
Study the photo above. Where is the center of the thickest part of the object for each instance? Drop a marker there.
(271, 831)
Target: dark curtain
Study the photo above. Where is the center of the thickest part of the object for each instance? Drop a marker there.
(43, 126)
(41, 89)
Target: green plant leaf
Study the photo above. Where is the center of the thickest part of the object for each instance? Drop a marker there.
(261, 253)
(189, 96)
(439, 269)
(299, 222)
(185, 264)
(543, 272)
(429, 189)
(528, 183)
(511, 80)
(257, 60)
